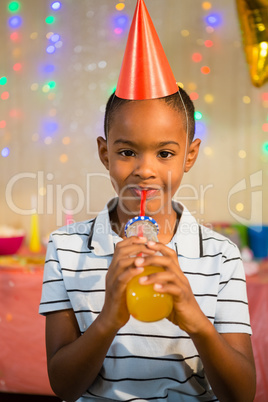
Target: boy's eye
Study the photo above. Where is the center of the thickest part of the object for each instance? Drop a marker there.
(127, 152)
(165, 154)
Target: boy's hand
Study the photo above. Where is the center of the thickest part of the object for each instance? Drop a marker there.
(124, 266)
(186, 312)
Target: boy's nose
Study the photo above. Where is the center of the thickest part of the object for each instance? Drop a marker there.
(145, 168)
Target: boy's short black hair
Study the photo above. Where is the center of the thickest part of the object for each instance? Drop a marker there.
(178, 101)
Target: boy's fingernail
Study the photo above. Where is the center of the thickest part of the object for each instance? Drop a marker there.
(139, 261)
(142, 238)
(157, 286)
(139, 269)
(151, 243)
(143, 279)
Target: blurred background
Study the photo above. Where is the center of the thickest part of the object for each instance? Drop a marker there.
(60, 61)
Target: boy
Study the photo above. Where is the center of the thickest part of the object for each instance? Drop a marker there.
(202, 352)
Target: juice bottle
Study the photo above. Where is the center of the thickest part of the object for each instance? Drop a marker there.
(143, 302)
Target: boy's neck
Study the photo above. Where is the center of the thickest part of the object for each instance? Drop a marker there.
(167, 222)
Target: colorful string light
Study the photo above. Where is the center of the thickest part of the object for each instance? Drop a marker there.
(51, 84)
(205, 70)
(66, 140)
(56, 5)
(200, 129)
(185, 33)
(49, 68)
(55, 38)
(63, 158)
(17, 67)
(50, 19)
(208, 43)
(14, 6)
(34, 35)
(197, 57)
(50, 126)
(3, 80)
(209, 98)
(15, 36)
(206, 5)
(194, 96)
(242, 154)
(118, 31)
(265, 96)
(265, 148)
(239, 207)
(51, 49)
(246, 99)
(5, 95)
(15, 22)
(120, 6)
(265, 127)
(121, 23)
(15, 113)
(213, 20)
(198, 115)
(192, 86)
(5, 152)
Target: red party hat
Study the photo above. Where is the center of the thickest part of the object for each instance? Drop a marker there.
(145, 71)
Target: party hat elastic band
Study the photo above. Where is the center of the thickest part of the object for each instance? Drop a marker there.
(145, 71)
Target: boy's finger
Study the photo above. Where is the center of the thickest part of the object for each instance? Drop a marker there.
(130, 240)
(168, 262)
(133, 250)
(163, 249)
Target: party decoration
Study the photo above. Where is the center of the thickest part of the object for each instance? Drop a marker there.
(120, 6)
(265, 148)
(253, 16)
(3, 80)
(5, 95)
(56, 5)
(50, 19)
(145, 72)
(34, 245)
(214, 20)
(15, 22)
(5, 152)
(198, 115)
(14, 6)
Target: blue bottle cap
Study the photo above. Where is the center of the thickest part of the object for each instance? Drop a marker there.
(141, 219)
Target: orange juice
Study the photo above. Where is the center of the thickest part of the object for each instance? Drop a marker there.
(146, 304)
(143, 302)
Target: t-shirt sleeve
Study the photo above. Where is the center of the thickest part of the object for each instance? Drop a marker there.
(54, 295)
(232, 313)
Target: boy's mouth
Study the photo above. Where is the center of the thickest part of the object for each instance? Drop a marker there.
(150, 192)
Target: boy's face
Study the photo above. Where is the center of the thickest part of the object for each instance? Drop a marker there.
(145, 149)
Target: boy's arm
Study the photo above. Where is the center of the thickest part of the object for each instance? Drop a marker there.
(74, 361)
(228, 362)
(227, 358)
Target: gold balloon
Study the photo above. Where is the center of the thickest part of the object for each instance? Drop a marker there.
(253, 17)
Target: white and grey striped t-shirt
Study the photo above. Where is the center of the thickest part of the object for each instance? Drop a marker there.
(147, 361)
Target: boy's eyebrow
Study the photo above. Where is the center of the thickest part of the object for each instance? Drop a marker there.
(158, 145)
(164, 143)
(126, 142)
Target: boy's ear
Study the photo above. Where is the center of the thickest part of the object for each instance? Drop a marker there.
(103, 151)
(192, 154)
